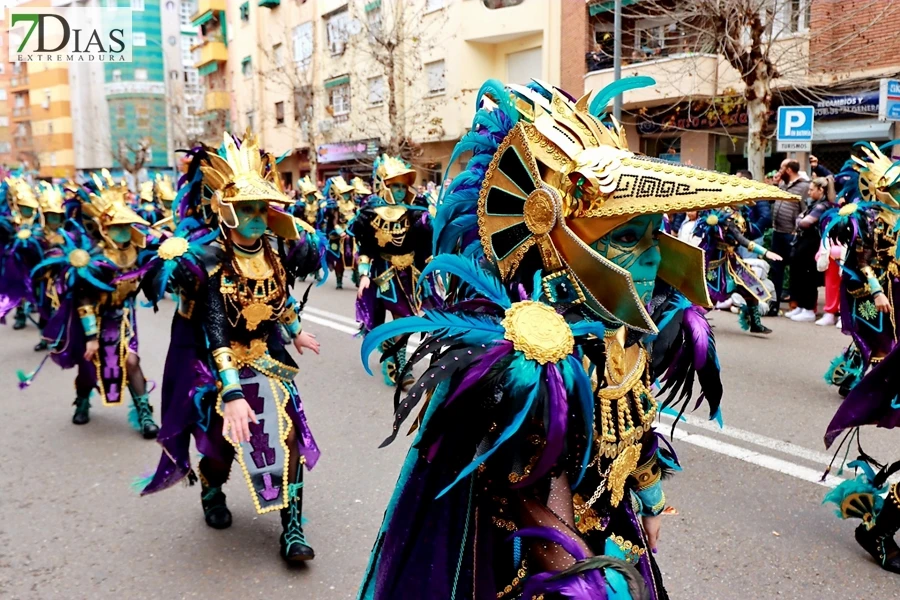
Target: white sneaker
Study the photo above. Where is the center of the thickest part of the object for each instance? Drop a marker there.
(724, 304)
(838, 324)
(792, 312)
(804, 316)
(827, 320)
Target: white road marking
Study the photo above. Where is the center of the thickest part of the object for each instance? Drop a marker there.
(772, 463)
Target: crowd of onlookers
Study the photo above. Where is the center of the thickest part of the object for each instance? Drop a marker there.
(792, 230)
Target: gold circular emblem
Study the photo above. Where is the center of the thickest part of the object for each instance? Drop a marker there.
(712, 220)
(172, 248)
(848, 209)
(79, 258)
(540, 215)
(538, 332)
(23, 234)
(255, 313)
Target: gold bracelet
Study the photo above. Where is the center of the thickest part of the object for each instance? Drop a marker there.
(363, 260)
(648, 474)
(85, 311)
(224, 359)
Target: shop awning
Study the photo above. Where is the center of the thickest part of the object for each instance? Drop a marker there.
(608, 6)
(851, 130)
(203, 18)
(337, 81)
(208, 68)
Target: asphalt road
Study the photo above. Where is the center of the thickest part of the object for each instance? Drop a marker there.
(749, 522)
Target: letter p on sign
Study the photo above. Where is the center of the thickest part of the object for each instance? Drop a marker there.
(795, 123)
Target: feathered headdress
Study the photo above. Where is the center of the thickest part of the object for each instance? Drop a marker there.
(362, 188)
(164, 187)
(51, 199)
(389, 170)
(306, 186)
(336, 187)
(21, 194)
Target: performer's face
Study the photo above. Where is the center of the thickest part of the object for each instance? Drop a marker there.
(311, 198)
(398, 191)
(253, 219)
(347, 195)
(167, 204)
(27, 211)
(120, 234)
(635, 246)
(54, 220)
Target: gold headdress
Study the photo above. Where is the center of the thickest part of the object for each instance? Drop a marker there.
(307, 187)
(147, 191)
(361, 187)
(561, 179)
(246, 175)
(339, 187)
(21, 195)
(879, 177)
(51, 199)
(165, 189)
(108, 206)
(393, 170)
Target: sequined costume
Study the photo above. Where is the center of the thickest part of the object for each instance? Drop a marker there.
(340, 210)
(869, 372)
(535, 464)
(235, 316)
(395, 240)
(96, 277)
(722, 232)
(53, 216)
(20, 249)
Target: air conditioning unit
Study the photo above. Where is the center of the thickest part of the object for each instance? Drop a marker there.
(324, 126)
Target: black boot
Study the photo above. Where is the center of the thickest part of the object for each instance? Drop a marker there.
(879, 539)
(215, 511)
(750, 320)
(82, 410)
(141, 417)
(340, 282)
(41, 346)
(294, 547)
(21, 318)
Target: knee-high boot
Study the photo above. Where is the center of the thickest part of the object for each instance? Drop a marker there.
(877, 537)
(294, 547)
(212, 477)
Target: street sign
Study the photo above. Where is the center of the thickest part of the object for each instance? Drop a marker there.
(795, 124)
(794, 146)
(889, 100)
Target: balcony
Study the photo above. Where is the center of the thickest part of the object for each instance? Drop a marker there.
(19, 83)
(21, 113)
(212, 51)
(677, 77)
(205, 11)
(23, 143)
(485, 26)
(216, 101)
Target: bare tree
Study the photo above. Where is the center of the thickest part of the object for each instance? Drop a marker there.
(764, 41)
(133, 157)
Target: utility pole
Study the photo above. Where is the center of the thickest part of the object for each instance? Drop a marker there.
(617, 58)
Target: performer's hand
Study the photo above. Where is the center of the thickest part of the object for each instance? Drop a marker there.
(651, 528)
(772, 256)
(306, 340)
(881, 303)
(237, 420)
(90, 349)
(363, 285)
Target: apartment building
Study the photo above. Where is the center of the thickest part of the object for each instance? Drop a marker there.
(313, 80)
(7, 157)
(695, 112)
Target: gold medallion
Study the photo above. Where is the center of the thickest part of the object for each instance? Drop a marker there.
(538, 331)
(383, 237)
(621, 468)
(79, 258)
(255, 314)
(172, 248)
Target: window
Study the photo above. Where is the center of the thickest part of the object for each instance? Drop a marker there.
(143, 117)
(50, 127)
(191, 77)
(2, 95)
(376, 91)
(339, 99)
(246, 67)
(53, 159)
(278, 55)
(120, 116)
(140, 74)
(4, 120)
(792, 16)
(373, 22)
(337, 27)
(148, 155)
(19, 100)
(302, 112)
(522, 67)
(433, 5)
(245, 12)
(188, 8)
(494, 4)
(250, 120)
(47, 96)
(137, 5)
(173, 75)
(436, 77)
(279, 113)
(117, 75)
(301, 38)
(17, 68)
(139, 39)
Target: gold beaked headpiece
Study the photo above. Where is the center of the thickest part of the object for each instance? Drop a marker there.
(51, 199)
(362, 188)
(108, 206)
(165, 188)
(561, 180)
(245, 174)
(878, 177)
(21, 193)
(306, 187)
(339, 187)
(147, 191)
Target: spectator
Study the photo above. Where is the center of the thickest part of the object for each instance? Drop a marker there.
(686, 230)
(817, 170)
(805, 276)
(784, 220)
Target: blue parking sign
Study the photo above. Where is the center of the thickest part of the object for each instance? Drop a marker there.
(795, 123)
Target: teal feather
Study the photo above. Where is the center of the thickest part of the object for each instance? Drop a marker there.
(139, 483)
(860, 485)
(472, 274)
(528, 371)
(450, 235)
(497, 92)
(616, 88)
(583, 328)
(537, 289)
(133, 419)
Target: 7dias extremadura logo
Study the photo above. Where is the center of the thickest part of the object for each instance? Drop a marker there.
(88, 34)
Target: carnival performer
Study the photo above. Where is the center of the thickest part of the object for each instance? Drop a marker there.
(147, 208)
(558, 279)
(361, 190)
(722, 231)
(96, 277)
(340, 210)
(395, 240)
(228, 378)
(868, 226)
(310, 203)
(53, 216)
(20, 244)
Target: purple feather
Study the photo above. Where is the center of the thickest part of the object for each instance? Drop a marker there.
(556, 427)
(480, 368)
(699, 329)
(589, 586)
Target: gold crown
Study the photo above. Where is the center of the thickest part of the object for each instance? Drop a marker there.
(393, 170)
(878, 176)
(561, 179)
(147, 191)
(243, 174)
(165, 187)
(306, 186)
(109, 204)
(361, 186)
(51, 198)
(21, 193)
(339, 187)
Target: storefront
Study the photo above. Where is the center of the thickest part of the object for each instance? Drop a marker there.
(349, 159)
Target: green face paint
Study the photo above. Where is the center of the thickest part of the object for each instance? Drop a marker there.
(167, 204)
(253, 219)
(27, 211)
(54, 220)
(398, 192)
(634, 246)
(120, 234)
(347, 195)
